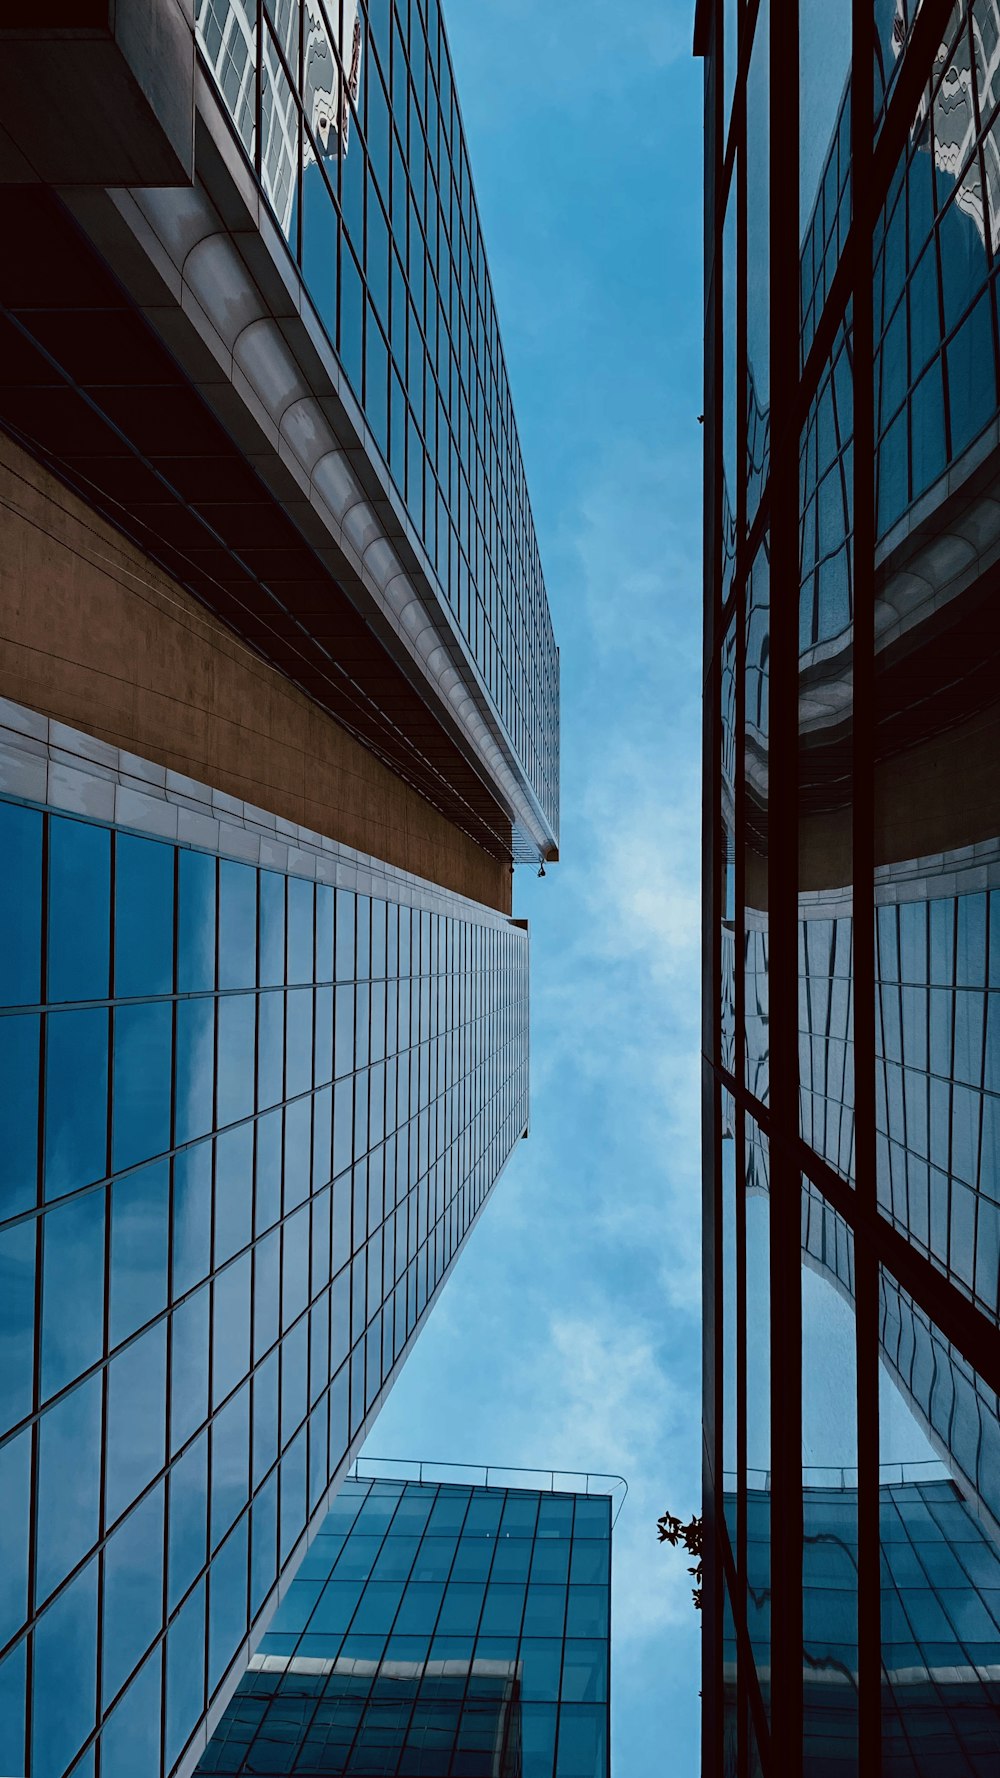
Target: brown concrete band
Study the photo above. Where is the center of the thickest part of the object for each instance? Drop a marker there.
(94, 634)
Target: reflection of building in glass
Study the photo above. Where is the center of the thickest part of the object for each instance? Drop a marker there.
(853, 1135)
(278, 712)
(331, 75)
(436, 1629)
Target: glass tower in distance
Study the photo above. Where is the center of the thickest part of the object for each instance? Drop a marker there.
(453, 1630)
(852, 911)
(278, 715)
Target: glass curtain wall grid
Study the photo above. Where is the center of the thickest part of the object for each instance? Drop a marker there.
(250, 1118)
(450, 1631)
(348, 112)
(852, 913)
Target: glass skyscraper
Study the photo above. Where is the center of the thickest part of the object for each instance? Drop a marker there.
(437, 1628)
(278, 714)
(852, 912)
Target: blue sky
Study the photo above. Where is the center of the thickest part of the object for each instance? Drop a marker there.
(568, 1335)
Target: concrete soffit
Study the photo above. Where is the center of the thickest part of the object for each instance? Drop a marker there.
(209, 269)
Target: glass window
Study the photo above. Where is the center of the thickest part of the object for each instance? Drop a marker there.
(235, 1079)
(233, 1192)
(587, 1611)
(196, 899)
(140, 1210)
(319, 245)
(266, 1292)
(237, 925)
(298, 1041)
(324, 932)
(137, 1385)
(64, 1674)
(270, 1048)
(15, 1492)
(13, 1676)
(76, 1100)
(144, 916)
(69, 1484)
(192, 1216)
(72, 1289)
(194, 1069)
(830, 1488)
(188, 1519)
(20, 905)
(19, 1058)
(930, 1404)
(758, 391)
(17, 1322)
(131, 1739)
(265, 1418)
(142, 1079)
(230, 1327)
(502, 1610)
(581, 1749)
(79, 935)
(272, 929)
(133, 1591)
(268, 1161)
(230, 1463)
(544, 1610)
(227, 1595)
(301, 920)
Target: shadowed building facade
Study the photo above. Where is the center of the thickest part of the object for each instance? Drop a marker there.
(852, 912)
(442, 1629)
(278, 715)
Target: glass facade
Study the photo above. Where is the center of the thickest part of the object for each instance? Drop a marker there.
(852, 919)
(250, 1117)
(436, 1629)
(347, 111)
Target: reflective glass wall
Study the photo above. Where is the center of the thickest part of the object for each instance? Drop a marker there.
(450, 1631)
(249, 1118)
(347, 110)
(852, 922)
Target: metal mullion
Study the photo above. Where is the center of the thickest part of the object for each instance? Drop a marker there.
(746, 28)
(745, 1662)
(975, 1337)
(866, 199)
(747, 1666)
(107, 1192)
(785, 1235)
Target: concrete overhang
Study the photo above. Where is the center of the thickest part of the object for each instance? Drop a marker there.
(205, 265)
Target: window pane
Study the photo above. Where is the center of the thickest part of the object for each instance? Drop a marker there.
(19, 1056)
(144, 916)
(142, 1080)
(72, 1289)
(140, 1206)
(195, 922)
(69, 1484)
(64, 1674)
(76, 1100)
(79, 948)
(20, 905)
(133, 1588)
(136, 1420)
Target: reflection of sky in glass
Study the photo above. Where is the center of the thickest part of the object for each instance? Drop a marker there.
(829, 1427)
(902, 1439)
(824, 61)
(758, 1207)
